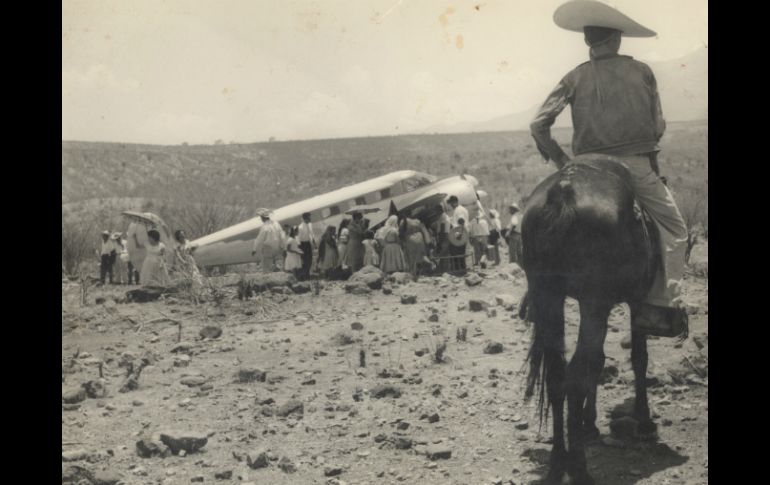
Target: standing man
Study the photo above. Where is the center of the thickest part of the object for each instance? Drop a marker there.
(269, 243)
(479, 232)
(514, 235)
(107, 256)
(307, 243)
(441, 229)
(457, 211)
(616, 114)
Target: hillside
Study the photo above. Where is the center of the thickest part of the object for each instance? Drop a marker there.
(506, 163)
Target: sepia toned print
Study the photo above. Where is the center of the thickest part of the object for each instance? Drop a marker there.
(385, 241)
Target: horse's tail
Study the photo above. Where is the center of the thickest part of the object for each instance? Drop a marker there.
(554, 221)
(537, 375)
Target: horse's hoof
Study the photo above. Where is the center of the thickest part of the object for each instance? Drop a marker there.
(581, 478)
(554, 477)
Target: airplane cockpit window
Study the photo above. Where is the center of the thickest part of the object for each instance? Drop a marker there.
(334, 210)
(384, 193)
(360, 200)
(415, 182)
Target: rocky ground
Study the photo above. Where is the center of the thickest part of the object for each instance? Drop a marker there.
(416, 382)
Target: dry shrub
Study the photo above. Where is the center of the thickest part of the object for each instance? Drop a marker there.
(693, 204)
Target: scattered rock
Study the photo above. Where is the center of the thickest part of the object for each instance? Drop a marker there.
(433, 418)
(251, 375)
(74, 455)
(384, 390)
(473, 279)
(291, 407)
(182, 348)
(96, 389)
(368, 276)
(189, 441)
(402, 443)
(149, 447)
(144, 294)
(625, 342)
(76, 474)
(257, 459)
(197, 478)
(210, 332)
(193, 381)
(433, 317)
(523, 425)
(477, 305)
(438, 452)
(224, 475)
(408, 299)
(105, 478)
(493, 347)
(357, 326)
(609, 374)
(491, 313)
(286, 465)
(401, 278)
(332, 471)
(72, 396)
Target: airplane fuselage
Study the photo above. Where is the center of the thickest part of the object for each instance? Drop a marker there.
(233, 245)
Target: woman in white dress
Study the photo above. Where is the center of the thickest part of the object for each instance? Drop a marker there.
(154, 272)
(121, 257)
(293, 261)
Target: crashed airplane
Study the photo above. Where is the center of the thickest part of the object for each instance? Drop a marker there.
(407, 192)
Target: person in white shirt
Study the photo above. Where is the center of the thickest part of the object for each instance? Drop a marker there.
(457, 211)
(307, 243)
(479, 232)
(107, 256)
(269, 243)
(514, 235)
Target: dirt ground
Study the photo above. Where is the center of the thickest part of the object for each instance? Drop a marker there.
(309, 347)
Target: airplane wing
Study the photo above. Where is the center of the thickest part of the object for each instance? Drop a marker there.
(420, 208)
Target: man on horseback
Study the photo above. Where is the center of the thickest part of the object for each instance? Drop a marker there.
(616, 114)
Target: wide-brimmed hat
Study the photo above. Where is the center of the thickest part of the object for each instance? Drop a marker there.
(576, 14)
(264, 212)
(514, 206)
(105, 233)
(116, 235)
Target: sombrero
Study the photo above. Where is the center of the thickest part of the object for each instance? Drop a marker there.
(576, 14)
(458, 236)
(264, 212)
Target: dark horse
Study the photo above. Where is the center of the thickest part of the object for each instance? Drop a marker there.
(583, 238)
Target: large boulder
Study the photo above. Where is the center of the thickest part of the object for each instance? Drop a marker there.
(258, 282)
(371, 276)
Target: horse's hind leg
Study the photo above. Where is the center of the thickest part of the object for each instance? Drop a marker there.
(583, 374)
(639, 362)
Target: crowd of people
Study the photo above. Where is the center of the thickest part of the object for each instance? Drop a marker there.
(402, 244)
(116, 267)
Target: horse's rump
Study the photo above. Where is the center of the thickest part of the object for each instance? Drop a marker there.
(580, 224)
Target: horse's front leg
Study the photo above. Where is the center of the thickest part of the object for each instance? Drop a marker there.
(639, 362)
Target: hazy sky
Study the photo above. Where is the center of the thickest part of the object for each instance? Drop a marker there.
(245, 70)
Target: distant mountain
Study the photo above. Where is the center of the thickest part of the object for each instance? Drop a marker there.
(682, 83)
